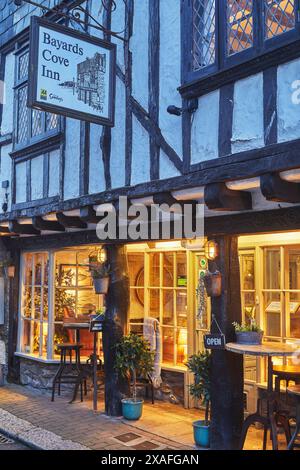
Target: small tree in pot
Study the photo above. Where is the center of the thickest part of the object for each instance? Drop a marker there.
(100, 274)
(200, 365)
(133, 359)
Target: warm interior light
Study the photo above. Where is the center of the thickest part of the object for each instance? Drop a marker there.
(211, 250)
(167, 245)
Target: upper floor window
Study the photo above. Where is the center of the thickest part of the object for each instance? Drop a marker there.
(227, 32)
(30, 124)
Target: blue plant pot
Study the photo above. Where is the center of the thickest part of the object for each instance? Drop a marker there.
(132, 410)
(202, 434)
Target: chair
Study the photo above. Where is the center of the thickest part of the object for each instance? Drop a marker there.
(294, 391)
(61, 377)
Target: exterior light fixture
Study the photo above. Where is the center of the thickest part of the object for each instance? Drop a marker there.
(211, 250)
(10, 271)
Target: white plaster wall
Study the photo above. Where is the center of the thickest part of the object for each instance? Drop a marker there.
(21, 182)
(8, 106)
(248, 120)
(140, 154)
(166, 167)
(205, 128)
(288, 109)
(6, 172)
(54, 173)
(37, 177)
(139, 47)
(72, 159)
(96, 170)
(117, 159)
(170, 72)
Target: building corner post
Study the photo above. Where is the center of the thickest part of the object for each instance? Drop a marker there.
(117, 307)
(227, 380)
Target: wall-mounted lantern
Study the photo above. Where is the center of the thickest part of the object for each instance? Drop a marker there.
(10, 271)
(211, 250)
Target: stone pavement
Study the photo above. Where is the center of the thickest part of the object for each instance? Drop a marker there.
(29, 414)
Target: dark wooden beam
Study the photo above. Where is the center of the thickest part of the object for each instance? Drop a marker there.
(4, 229)
(276, 189)
(89, 215)
(22, 229)
(227, 381)
(219, 198)
(116, 316)
(153, 62)
(40, 224)
(70, 221)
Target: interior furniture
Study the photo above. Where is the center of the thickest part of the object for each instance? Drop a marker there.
(69, 371)
(294, 391)
(285, 374)
(274, 416)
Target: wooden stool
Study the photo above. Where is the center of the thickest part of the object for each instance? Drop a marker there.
(295, 392)
(78, 379)
(287, 374)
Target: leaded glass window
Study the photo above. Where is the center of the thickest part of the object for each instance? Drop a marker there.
(239, 25)
(204, 33)
(30, 123)
(279, 17)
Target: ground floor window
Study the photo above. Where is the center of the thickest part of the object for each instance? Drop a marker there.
(158, 289)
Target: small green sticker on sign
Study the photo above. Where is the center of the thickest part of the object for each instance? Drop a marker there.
(203, 263)
(202, 273)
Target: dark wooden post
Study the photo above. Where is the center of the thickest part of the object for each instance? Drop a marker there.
(227, 379)
(117, 306)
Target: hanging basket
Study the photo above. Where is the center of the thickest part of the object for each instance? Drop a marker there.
(101, 285)
(213, 284)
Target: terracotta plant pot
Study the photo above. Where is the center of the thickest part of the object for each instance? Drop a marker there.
(249, 337)
(101, 285)
(213, 284)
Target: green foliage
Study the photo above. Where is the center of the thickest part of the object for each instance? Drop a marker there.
(99, 271)
(133, 358)
(200, 365)
(63, 298)
(246, 328)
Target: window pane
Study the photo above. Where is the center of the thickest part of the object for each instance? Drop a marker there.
(168, 307)
(239, 25)
(36, 122)
(272, 269)
(36, 338)
(28, 269)
(23, 66)
(25, 347)
(22, 123)
(168, 269)
(136, 313)
(181, 308)
(293, 312)
(248, 305)
(65, 304)
(272, 313)
(181, 346)
(168, 345)
(204, 33)
(247, 272)
(294, 270)
(154, 269)
(154, 303)
(51, 121)
(136, 263)
(87, 302)
(280, 17)
(26, 302)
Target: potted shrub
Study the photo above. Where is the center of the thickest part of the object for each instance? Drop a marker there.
(248, 333)
(200, 365)
(100, 273)
(133, 359)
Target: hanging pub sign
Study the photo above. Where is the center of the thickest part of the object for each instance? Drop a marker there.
(71, 73)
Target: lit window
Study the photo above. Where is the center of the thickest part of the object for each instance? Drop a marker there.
(204, 33)
(239, 25)
(279, 17)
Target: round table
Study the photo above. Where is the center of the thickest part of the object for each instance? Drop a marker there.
(269, 350)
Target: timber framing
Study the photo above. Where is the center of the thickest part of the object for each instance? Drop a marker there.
(279, 157)
(22, 229)
(70, 221)
(40, 224)
(276, 189)
(219, 198)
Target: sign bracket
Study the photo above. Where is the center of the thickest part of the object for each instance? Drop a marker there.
(73, 13)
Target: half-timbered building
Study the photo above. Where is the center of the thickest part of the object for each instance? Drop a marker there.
(207, 109)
